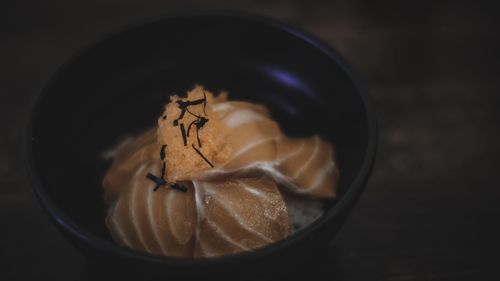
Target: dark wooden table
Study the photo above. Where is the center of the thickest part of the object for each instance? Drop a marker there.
(432, 207)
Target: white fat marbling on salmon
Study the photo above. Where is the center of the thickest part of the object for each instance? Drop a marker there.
(200, 215)
(168, 205)
(268, 167)
(322, 174)
(221, 107)
(201, 190)
(251, 146)
(228, 208)
(261, 195)
(122, 236)
(292, 153)
(226, 237)
(254, 191)
(309, 160)
(153, 221)
(242, 116)
(133, 209)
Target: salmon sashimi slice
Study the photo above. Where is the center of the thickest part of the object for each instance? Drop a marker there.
(160, 222)
(238, 215)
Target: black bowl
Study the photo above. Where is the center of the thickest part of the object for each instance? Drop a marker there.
(118, 87)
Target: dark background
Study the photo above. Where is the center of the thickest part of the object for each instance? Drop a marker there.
(431, 209)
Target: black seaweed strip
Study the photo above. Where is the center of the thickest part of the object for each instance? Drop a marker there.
(183, 132)
(193, 102)
(202, 156)
(204, 102)
(162, 152)
(163, 169)
(155, 179)
(189, 111)
(198, 135)
(199, 124)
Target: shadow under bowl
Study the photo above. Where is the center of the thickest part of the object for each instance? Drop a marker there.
(118, 87)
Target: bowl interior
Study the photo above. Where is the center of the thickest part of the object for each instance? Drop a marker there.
(119, 87)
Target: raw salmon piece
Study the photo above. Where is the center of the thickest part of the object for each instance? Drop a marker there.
(238, 215)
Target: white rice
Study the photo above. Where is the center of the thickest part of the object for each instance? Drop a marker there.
(302, 211)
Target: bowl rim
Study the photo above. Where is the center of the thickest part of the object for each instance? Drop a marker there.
(347, 200)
